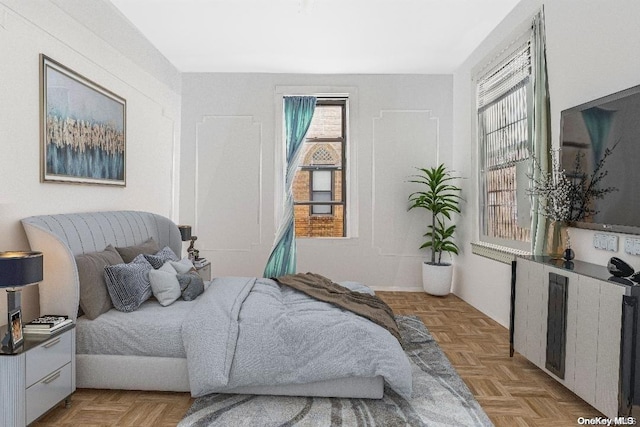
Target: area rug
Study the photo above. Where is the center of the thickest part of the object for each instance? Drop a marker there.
(440, 398)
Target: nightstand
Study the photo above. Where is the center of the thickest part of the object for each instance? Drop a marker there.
(205, 271)
(36, 376)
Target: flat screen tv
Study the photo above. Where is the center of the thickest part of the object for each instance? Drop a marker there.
(606, 130)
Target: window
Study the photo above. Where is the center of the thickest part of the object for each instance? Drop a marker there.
(319, 185)
(504, 119)
(321, 191)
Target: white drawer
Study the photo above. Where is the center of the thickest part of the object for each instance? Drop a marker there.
(205, 272)
(50, 390)
(47, 357)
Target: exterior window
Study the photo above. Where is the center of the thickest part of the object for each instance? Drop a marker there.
(504, 99)
(319, 184)
(322, 191)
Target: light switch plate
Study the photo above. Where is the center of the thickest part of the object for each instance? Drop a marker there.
(632, 246)
(606, 242)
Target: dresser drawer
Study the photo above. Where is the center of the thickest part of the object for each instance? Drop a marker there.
(47, 392)
(48, 357)
(205, 272)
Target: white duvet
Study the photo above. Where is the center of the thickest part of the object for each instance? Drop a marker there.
(250, 331)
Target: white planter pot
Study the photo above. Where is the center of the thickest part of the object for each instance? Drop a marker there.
(436, 279)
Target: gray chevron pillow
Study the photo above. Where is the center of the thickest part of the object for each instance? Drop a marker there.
(157, 260)
(128, 284)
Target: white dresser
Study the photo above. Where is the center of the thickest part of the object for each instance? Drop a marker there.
(567, 318)
(205, 271)
(36, 376)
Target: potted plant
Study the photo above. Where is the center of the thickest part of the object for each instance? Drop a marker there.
(566, 198)
(440, 197)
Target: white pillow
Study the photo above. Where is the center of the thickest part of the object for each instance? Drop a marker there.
(183, 266)
(164, 284)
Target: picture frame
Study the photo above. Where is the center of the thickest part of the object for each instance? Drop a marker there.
(15, 327)
(82, 129)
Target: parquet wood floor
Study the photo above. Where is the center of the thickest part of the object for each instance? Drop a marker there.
(512, 391)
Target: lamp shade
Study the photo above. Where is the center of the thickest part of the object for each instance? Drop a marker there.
(20, 268)
(185, 232)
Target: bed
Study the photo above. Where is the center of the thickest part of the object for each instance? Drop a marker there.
(120, 364)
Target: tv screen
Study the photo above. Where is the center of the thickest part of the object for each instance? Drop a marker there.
(606, 132)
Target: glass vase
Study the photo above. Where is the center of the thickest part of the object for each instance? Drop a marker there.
(557, 239)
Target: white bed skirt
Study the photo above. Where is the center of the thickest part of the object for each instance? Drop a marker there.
(170, 374)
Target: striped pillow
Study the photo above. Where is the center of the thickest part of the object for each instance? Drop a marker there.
(128, 284)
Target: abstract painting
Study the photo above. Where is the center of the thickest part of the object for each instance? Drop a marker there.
(83, 129)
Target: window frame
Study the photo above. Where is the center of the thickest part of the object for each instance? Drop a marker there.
(522, 181)
(331, 191)
(342, 101)
(353, 124)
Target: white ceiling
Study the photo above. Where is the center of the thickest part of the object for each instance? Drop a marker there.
(316, 36)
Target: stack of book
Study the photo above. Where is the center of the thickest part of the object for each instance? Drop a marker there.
(45, 325)
(200, 262)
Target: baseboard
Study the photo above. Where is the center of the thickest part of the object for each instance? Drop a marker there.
(397, 288)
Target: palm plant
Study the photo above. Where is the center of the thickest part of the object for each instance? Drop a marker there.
(441, 198)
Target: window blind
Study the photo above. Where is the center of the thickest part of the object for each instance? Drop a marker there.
(503, 132)
(505, 76)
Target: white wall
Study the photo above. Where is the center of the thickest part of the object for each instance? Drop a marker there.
(592, 48)
(398, 122)
(231, 138)
(91, 38)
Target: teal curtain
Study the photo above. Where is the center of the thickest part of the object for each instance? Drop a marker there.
(598, 122)
(298, 112)
(541, 129)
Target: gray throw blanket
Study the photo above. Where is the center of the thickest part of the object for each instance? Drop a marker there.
(251, 332)
(363, 304)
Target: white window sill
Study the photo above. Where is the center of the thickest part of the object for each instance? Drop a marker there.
(338, 239)
(496, 252)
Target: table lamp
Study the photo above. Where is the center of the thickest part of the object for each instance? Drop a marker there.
(185, 235)
(18, 269)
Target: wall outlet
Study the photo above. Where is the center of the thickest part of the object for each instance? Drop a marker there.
(606, 242)
(629, 246)
(632, 246)
(597, 241)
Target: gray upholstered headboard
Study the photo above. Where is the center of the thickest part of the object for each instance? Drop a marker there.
(61, 237)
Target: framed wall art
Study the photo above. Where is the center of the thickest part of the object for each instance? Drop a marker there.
(83, 128)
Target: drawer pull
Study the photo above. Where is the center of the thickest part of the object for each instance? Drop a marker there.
(52, 343)
(51, 378)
